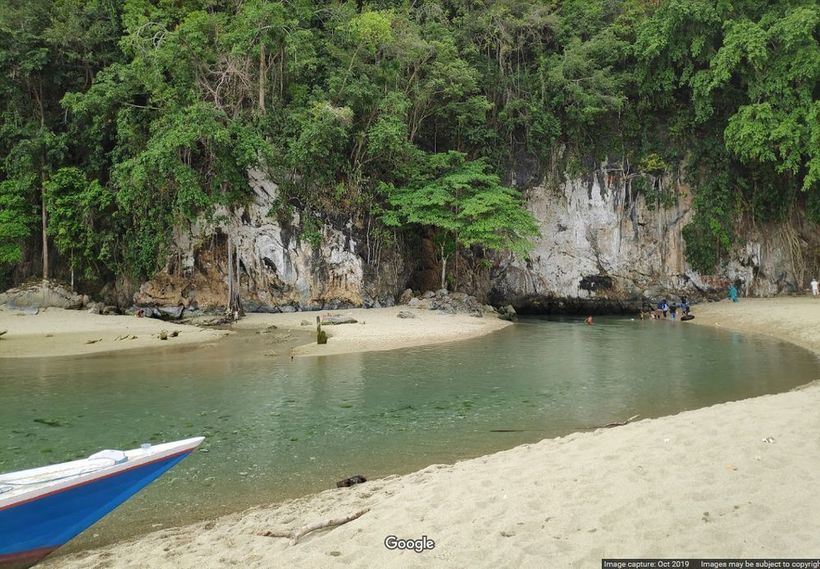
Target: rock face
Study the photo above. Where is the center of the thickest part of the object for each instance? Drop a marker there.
(42, 295)
(605, 248)
(280, 269)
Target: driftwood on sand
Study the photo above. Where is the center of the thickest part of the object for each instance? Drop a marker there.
(298, 533)
(615, 424)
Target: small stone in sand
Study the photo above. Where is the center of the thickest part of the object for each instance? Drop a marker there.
(175, 333)
(94, 341)
(163, 334)
(353, 480)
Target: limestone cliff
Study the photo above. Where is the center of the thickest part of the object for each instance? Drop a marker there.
(280, 270)
(604, 246)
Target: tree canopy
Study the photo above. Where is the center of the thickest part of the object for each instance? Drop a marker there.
(464, 204)
(122, 120)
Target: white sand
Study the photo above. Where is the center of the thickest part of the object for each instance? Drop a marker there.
(698, 484)
(377, 328)
(58, 332)
(795, 319)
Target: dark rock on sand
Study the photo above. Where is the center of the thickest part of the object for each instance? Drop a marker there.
(335, 320)
(406, 296)
(507, 313)
(347, 482)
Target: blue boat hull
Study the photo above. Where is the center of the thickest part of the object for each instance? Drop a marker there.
(31, 530)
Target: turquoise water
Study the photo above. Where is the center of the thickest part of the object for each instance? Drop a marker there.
(278, 428)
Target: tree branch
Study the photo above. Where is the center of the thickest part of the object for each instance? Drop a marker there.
(297, 534)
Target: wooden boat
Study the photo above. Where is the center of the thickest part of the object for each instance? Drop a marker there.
(43, 508)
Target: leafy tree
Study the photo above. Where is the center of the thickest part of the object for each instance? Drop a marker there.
(184, 130)
(463, 204)
(16, 220)
(149, 113)
(80, 223)
(771, 65)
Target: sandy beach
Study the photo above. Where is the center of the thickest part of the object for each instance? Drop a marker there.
(732, 480)
(59, 332)
(377, 328)
(795, 319)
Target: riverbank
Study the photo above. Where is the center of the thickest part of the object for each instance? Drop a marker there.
(731, 480)
(377, 329)
(60, 332)
(795, 319)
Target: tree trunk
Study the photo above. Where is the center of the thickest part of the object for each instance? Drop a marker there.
(262, 72)
(44, 226)
(236, 275)
(230, 276)
(234, 308)
(455, 268)
(443, 267)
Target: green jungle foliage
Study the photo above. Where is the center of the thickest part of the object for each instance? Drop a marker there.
(126, 118)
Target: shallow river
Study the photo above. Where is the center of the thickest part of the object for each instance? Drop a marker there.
(278, 428)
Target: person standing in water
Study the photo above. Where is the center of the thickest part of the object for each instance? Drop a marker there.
(733, 292)
(673, 310)
(588, 321)
(814, 288)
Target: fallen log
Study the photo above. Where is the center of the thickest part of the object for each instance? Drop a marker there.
(296, 534)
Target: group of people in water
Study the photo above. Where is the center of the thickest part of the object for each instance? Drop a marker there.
(666, 310)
